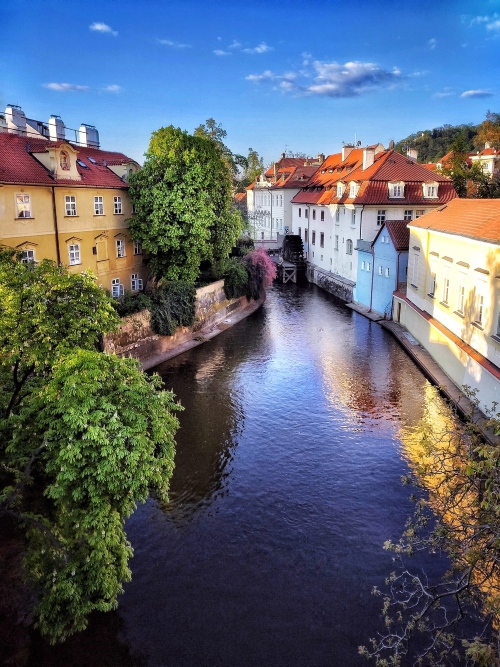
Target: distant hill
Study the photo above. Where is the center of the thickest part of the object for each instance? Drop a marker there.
(432, 145)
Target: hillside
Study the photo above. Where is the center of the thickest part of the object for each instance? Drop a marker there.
(433, 144)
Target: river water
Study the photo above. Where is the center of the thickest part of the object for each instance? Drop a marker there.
(287, 484)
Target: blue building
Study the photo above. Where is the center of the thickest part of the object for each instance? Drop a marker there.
(382, 267)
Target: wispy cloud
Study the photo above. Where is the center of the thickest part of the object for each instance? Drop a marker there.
(494, 25)
(113, 88)
(172, 44)
(490, 22)
(447, 92)
(220, 52)
(261, 48)
(66, 87)
(102, 27)
(476, 94)
(234, 45)
(432, 43)
(332, 79)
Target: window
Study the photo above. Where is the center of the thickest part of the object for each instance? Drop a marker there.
(419, 212)
(322, 216)
(64, 160)
(306, 213)
(340, 189)
(387, 272)
(498, 326)
(353, 217)
(396, 189)
(408, 215)
(98, 206)
(348, 247)
(380, 218)
(27, 256)
(300, 231)
(137, 248)
(70, 202)
(432, 290)
(23, 206)
(353, 190)
(430, 190)
(446, 289)
(135, 282)
(321, 240)
(336, 241)
(368, 266)
(414, 277)
(461, 299)
(117, 289)
(74, 254)
(313, 240)
(337, 215)
(118, 205)
(479, 309)
(363, 265)
(120, 247)
(314, 214)
(380, 269)
(306, 235)
(300, 212)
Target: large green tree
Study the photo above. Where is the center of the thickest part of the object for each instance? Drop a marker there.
(183, 202)
(467, 176)
(84, 436)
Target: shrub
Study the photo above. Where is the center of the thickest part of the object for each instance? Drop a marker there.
(261, 271)
(172, 306)
(235, 279)
(131, 303)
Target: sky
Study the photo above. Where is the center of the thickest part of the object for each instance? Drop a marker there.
(301, 76)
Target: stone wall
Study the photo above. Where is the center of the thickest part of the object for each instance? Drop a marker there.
(136, 339)
(330, 282)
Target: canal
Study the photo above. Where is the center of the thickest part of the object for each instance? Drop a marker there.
(287, 484)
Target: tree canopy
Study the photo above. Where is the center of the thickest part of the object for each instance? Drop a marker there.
(85, 435)
(467, 177)
(183, 202)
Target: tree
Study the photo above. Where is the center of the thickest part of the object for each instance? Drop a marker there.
(254, 167)
(183, 202)
(457, 513)
(85, 435)
(213, 131)
(489, 131)
(466, 176)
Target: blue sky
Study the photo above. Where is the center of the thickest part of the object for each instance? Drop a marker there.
(291, 75)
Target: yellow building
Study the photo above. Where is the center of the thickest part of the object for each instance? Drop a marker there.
(452, 303)
(67, 201)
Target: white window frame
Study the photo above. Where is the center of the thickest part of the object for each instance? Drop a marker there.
(381, 217)
(461, 299)
(23, 206)
(446, 288)
(353, 217)
(387, 272)
(415, 268)
(396, 190)
(117, 289)
(98, 205)
(120, 248)
(349, 247)
(430, 190)
(137, 248)
(368, 266)
(28, 255)
(70, 205)
(340, 190)
(117, 206)
(135, 282)
(380, 270)
(74, 254)
(353, 189)
(480, 309)
(408, 215)
(336, 242)
(363, 265)
(419, 213)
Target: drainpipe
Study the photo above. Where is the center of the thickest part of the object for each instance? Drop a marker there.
(371, 289)
(56, 229)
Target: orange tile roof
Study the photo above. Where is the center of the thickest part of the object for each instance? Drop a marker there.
(294, 177)
(472, 218)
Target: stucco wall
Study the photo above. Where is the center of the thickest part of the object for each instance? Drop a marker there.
(136, 339)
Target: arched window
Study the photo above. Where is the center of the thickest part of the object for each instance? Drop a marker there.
(64, 160)
(348, 246)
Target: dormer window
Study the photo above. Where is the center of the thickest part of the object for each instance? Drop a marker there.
(353, 190)
(430, 190)
(64, 160)
(396, 189)
(340, 189)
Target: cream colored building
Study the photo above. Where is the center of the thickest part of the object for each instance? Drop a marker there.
(452, 303)
(67, 201)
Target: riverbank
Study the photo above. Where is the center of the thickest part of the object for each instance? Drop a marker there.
(433, 372)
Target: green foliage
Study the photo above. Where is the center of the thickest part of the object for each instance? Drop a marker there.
(183, 202)
(84, 437)
(434, 144)
(173, 304)
(254, 167)
(466, 177)
(214, 132)
(129, 303)
(235, 279)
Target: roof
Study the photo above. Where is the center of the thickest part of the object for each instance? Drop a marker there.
(18, 165)
(398, 232)
(285, 162)
(473, 218)
(293, 177)
(363, 246)
(240, 196)
(388, 166)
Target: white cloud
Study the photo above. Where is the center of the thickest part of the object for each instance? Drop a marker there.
(477, 94)
(447, 92)
(234, 45)
(113, 88)
(66, 87)
(494, 25)
(173, 45)
(432, 43)
(479, 19)
(220, 52)
(332, 79)
(261, 48)
(102, 27)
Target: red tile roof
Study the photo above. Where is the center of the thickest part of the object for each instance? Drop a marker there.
(285, 162)
(240, 196)
(398, 231)
(293, 177)
(19, 166)
(472, 218)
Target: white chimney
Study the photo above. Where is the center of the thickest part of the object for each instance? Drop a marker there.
(16, 119)
(412, 153)
(88, 136)
(368, 157)
(487, 144)
(346, 150)
(57, 131)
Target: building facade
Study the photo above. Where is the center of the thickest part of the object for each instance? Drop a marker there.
(68, 201)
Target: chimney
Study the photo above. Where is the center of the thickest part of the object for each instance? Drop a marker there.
(16, 119)
(368, 157)
(487, 144)
(412, 154)
(88, 136)
(346, 150)
(321, 158)
(57, 131)
(283, 156)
